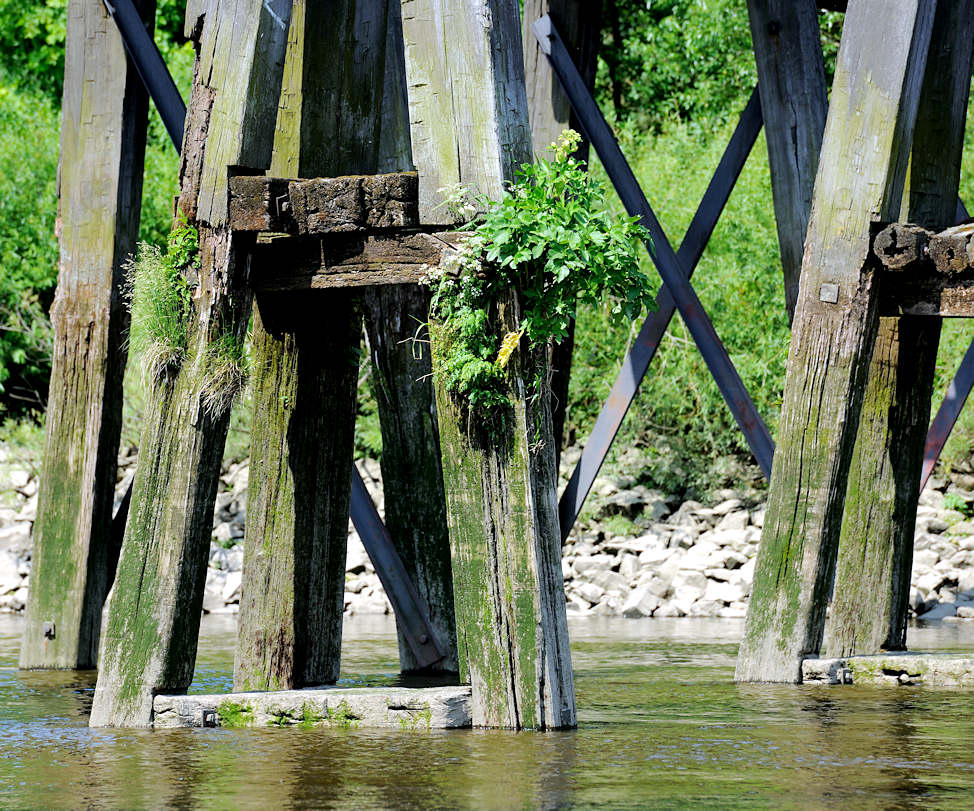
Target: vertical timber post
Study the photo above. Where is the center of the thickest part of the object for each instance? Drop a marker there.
(872, 114)
(412, 480)
(305, 358)
(872, 584)
(468, 114)
(794, 103)
(103, 126)
(149, 638)
(580, 24)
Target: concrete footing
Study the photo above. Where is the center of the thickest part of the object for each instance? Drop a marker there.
(393, 708)
(928, 670)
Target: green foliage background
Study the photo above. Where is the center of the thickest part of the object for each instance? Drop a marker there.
(674, 76)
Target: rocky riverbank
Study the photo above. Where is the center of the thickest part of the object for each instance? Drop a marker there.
(635, 552)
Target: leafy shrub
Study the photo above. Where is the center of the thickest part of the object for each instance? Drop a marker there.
(551, 239)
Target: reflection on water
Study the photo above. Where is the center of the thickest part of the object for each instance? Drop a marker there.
(661, 724)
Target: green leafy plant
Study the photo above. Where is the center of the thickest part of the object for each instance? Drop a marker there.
(551, 242)
(956, 502)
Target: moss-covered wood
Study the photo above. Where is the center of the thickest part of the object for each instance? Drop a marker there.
(469, 124)
(871, 117)
(148, 643)
(580, 25)
(305, 370)
(103, 126)
(412, 481)
(794, 101)
(872, 584)
(305, 359)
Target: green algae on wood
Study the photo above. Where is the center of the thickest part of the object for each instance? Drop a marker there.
(306, 354)
(872, 114)
(512, 632)
(872, 585)
(103, 125)
(148, 642)
(412, 480)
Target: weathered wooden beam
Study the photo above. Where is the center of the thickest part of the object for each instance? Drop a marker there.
(550, 112)
(412, 480)
(103, 124)
(308, 263)
(952, 251)
(304, 405)
(324, 205)
(875, 546)
(469, 121)
(149, 639)
(794, 102)
(834, 331)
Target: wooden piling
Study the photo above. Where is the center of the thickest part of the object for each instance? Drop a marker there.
(305, 361)
(412, 480)
(872, 584)
(148, 642)
(872, 114)
(794, 101)
(103, 125)
(549, 111)
(469, 124)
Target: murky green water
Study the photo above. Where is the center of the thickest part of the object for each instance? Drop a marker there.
(661, 725)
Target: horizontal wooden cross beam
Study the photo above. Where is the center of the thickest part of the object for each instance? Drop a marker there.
(324, 205)
(332, 232)
(926, 273)
(282, 263)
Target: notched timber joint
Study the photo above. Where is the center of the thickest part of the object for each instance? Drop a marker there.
(350, 231)
(926, 273)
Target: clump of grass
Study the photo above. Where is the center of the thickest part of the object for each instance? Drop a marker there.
(310, 717)
(341, 716)
(159, 300)
(224, 370)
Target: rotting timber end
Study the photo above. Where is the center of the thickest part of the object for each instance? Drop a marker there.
(926, 273)
(324, 233)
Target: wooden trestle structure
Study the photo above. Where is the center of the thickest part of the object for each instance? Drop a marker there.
(314, 145)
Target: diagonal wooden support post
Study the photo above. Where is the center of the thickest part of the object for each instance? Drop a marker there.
(149, 638)
(103, 128)
(306, 363)
(871, 117)
(412, 479)
(468, 115)
(794, 102)
(875, 554)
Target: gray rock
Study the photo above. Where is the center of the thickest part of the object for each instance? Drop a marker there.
(733, 521)
(723, 592)
(628, 566)
(590, 592)
(592, 563)
(9, 574)
(939, 611)
(641, 603)
(611, 582)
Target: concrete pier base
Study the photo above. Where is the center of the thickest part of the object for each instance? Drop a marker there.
(393, 708)
(915, 669)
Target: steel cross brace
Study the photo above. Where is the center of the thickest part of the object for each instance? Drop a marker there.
(401, 591)
(636, 362)
(670, 266)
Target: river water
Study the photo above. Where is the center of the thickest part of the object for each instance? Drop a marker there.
(661, 724)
